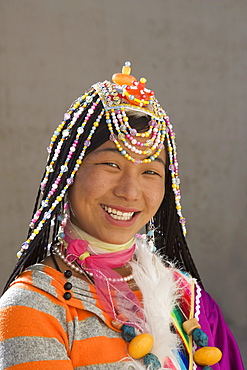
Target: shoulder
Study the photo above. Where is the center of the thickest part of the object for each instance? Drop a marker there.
(32, 295)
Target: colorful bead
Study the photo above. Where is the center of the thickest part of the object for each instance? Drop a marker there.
(207, 356)
(200, 338)
(190, 325)
(128, 333)
(115, 98)
(141, 345)
(151, 361)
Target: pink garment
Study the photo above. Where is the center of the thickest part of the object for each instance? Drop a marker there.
(115, 296)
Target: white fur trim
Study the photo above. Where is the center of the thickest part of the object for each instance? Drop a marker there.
(159, 293)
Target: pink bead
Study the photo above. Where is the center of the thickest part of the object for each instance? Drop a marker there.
(113, 137)
(66, 116)
(137, 161)
(87, 142)
(133, 131)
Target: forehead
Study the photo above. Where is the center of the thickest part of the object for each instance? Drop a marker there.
(109, 148)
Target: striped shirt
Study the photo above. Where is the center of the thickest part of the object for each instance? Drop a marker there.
(40, 329)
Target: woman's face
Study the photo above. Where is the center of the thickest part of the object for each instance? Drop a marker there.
(112, 198)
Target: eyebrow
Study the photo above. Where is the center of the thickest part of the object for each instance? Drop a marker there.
(115, 150)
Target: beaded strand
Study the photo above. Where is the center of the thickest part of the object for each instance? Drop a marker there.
(81, 271)
(64, 168)
(112, 96)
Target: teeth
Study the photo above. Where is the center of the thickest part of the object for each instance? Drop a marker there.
(118, 215)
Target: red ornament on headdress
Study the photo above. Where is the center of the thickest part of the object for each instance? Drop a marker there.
(135, 92)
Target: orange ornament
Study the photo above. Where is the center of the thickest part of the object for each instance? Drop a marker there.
(134, 92)
(141, 345)
(123, 79)
(207, 356)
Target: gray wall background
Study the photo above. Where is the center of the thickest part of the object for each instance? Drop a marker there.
(194, 55)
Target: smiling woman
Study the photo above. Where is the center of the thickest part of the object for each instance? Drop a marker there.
(96, 292)
(112, 199)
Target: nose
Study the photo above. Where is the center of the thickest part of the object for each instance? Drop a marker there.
(128, 187)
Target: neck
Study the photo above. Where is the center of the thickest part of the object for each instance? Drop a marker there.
(96, 246)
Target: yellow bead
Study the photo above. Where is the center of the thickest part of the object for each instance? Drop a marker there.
(79, 161)
(59, 198)
(143, 80)
(126, 70)
(207, 356)
(121, 136)
(36, 231)
(141, 345)
(96, 124)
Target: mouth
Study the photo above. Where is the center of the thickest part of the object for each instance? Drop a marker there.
(117, 214)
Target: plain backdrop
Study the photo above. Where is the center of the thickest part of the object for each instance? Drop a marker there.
(194, 56)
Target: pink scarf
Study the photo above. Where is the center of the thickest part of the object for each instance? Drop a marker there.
(115, 296)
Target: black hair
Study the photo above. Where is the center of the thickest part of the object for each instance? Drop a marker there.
(169, 237)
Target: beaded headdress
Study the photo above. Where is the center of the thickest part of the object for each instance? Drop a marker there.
(117, 98)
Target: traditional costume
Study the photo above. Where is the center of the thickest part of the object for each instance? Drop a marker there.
(158, 317)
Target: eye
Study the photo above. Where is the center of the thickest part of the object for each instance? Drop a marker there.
(150, 172)
(111, 164)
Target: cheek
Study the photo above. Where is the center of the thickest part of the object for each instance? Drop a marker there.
(86, 188)
(156, 197)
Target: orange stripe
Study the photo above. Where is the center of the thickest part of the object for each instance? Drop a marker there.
(41, 365)
(98, 350)
(37, 323)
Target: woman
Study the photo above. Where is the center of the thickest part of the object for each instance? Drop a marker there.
(89, 291)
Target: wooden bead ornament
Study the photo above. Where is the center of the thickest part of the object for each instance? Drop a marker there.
(205, 356)
(190, 325)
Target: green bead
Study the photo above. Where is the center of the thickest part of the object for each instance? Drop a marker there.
(200, 338)
(151, 361)
(128, 333)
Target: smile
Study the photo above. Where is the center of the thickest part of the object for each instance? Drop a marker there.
(118, 215)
